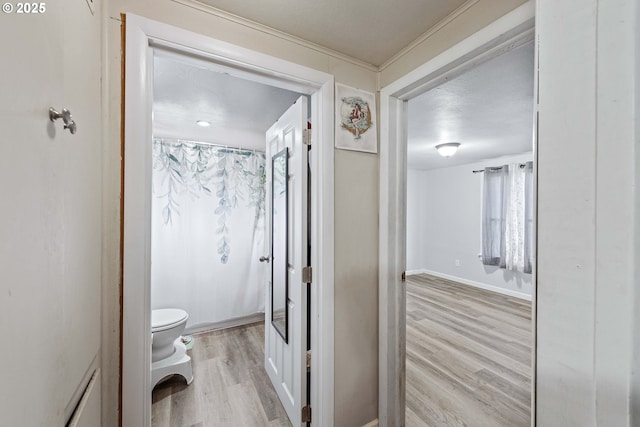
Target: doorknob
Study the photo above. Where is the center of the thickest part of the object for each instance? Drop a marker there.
(65, 115)
(264, 259)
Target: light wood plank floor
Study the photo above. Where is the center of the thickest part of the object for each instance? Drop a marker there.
(230, 386)
(468, 356)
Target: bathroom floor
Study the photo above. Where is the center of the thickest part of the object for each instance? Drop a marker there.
(230, 386)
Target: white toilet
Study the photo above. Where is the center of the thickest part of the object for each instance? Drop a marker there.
(168, 353)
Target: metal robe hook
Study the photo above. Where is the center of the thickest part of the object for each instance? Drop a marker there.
(65, 115)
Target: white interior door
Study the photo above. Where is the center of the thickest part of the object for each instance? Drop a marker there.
(50, 223)
(286, 338)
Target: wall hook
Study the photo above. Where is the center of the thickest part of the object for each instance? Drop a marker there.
(65, 115)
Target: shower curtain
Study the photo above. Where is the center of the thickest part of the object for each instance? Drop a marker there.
(207, 231)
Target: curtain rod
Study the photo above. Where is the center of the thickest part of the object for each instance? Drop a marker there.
(177, 141)
(497, 168)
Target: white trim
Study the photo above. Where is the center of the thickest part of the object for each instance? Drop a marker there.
(322, 258)
(480, 285)
(392, 260)
(229, 323)
(141, 33)
(501, 35)
(274, 32)
(136, 318)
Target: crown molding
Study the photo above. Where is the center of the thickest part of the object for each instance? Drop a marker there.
(431, 31)
(276, 33)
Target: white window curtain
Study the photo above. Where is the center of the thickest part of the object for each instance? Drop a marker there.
(507, 217)
(528, 217)
(494, 216)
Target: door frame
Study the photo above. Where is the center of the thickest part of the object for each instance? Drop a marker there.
(141, 35)
(512, 29)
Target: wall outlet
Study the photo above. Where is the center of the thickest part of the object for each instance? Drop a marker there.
(457, 263)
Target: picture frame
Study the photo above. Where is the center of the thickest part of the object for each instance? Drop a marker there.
(355, 114)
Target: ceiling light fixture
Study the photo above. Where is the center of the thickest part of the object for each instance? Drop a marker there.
(448, 149)
(203, 123)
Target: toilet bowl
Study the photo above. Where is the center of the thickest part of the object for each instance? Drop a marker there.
(168, 353)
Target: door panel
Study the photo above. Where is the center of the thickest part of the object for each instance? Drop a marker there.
(31, 218)
(285, 361)
(50, 221)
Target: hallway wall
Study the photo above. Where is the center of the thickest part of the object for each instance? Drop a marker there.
(355, 272)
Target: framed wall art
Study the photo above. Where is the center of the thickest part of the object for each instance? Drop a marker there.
(355, 120)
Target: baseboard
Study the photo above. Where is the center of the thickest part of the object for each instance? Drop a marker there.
(230, 323)
(373, 423)
(509, 292)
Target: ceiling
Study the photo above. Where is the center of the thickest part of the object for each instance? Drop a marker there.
(488, 110)
(372, 31)
(240, 111)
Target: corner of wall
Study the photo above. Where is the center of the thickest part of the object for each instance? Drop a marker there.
(466, 22)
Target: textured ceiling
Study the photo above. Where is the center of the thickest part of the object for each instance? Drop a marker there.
(488, 110)
(369, 30)
(240, 111)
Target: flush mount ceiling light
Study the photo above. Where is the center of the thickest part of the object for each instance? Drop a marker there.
(448, 149)
(203, 123)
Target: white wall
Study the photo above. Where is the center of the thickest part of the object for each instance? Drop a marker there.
(415, 222)
(444, 224)
(587, 212)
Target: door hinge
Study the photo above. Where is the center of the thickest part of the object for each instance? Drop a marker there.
(306, 274)
(306, 137)
(306, 414)
(308, 361)
(404, 276)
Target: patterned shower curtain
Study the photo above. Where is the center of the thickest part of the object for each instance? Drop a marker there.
(207, 231)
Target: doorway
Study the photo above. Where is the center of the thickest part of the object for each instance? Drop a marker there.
(468, 318)
(513, 29)
(142, 36)
(209, 182)
(210, 211)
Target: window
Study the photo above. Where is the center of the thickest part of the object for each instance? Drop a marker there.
(507, 217)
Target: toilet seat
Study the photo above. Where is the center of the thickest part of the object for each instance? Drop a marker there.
(166, 318)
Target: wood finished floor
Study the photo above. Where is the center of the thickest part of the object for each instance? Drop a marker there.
(468, 356)
(230, 386)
